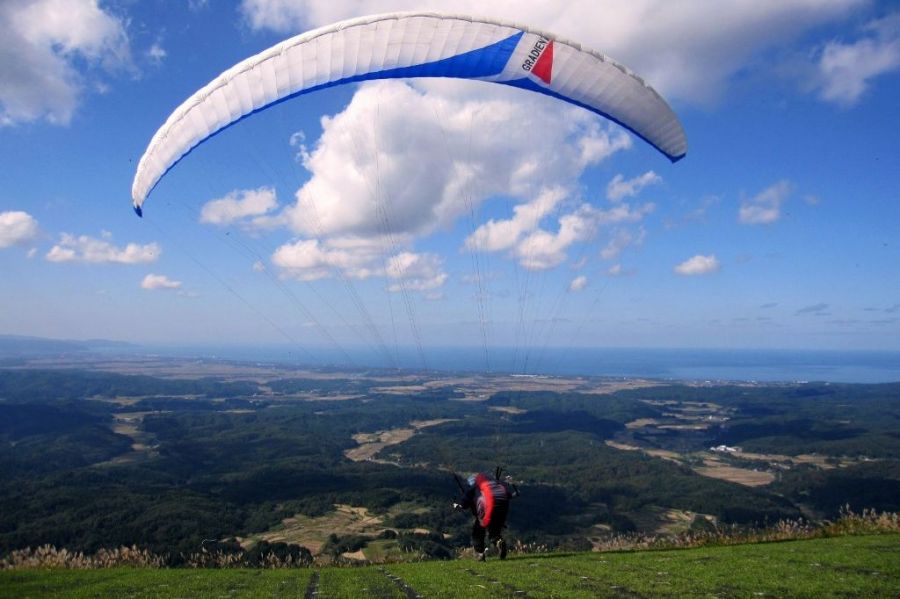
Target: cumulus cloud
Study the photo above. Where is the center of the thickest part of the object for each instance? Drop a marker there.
(620, 188)
(152, 282)
(17, 228)
(846, 69)
(101, 251)
(668, 43)
(239, 205)
(698, 265)
(536, 248)
(542, 249)
(310, 259)
(765, 207)
(47, 46)
(578, 284)
(496, 235)
(415, 272)
(375, 169)
(375, 174)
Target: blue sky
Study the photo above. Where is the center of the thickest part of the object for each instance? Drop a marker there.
(778, 230)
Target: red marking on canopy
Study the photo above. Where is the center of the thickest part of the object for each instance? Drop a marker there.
(544, 65)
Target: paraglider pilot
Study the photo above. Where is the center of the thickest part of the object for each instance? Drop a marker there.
(488, 499)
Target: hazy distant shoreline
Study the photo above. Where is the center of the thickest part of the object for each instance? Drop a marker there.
(675, 364)
(857, 366)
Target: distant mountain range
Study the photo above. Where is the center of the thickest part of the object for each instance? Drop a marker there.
(18, 346)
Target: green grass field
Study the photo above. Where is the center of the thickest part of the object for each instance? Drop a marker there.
(849, 566)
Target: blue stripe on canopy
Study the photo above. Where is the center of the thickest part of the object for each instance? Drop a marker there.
(483, 62)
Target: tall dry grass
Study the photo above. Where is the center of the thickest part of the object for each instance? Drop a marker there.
(237, 560)
(48, 556)
(848, 523)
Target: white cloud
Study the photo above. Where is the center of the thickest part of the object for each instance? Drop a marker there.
(355, 257)
(308, 259)
(541, 249)
(536, 248)
(17, 228)
(375, 169)
(497, 235)
(156, 53)
(765, 207)
(698, 265)
(89, 249)
(239, 205)
(415, 272)
(670, 44)
(46, 47)
(377, 179)
(578, 284)
(597, 148)
(845, 70)
(621, 240)
(620, 188)
(152, 282)
(276, 15)
(297, 139)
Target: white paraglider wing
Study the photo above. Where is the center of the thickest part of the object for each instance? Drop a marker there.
(411, 45)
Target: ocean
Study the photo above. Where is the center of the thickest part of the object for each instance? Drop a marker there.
(669, 364)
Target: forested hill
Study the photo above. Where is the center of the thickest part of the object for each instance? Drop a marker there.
(164, 455)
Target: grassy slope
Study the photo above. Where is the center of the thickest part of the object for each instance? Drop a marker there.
(864, 566)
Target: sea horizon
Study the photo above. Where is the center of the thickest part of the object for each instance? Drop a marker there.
(687, 364)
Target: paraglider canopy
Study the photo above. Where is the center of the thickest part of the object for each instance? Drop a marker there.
(402, 45)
